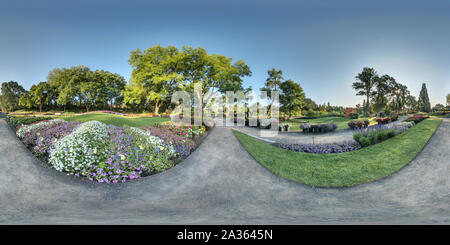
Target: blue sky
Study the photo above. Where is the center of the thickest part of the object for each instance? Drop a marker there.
(320, 44)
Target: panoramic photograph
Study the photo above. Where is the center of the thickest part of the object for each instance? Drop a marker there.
(224, 113)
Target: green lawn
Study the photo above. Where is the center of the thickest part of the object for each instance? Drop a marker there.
(343, 169)
(116, 119)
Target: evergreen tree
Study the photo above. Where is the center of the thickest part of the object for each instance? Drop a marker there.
(424, 101)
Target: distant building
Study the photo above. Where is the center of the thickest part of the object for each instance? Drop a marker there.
(349, 110)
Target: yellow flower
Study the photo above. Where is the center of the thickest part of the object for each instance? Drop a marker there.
(71, 150)
(95, 151)
(55, 140)
(161, 148)
(140, 147)
(122, 157)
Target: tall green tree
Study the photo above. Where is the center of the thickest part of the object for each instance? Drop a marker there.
(26, 100)
(448, 99)
(364, 85)
(423, 101)
(160, 71)
(10, 95)
(382, 90)
(291, 97)
(40, 95)
(275, 78)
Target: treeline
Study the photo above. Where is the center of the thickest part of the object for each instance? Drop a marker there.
(157, 73)
(293, 99)
(72, 88)
(384, 93)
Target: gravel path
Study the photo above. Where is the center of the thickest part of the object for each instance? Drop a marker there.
(220, 183)
(298, 137)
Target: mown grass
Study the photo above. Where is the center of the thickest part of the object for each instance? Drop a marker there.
(116, 119)
(343, 169)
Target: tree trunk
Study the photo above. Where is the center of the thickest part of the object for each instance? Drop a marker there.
(40, 108)
(367, 104)
(157, 106)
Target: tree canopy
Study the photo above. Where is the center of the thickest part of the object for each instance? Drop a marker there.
(10, 95)
(160, 71)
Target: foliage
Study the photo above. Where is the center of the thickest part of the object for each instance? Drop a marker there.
(364, 85)
(158, 72)
(318, 128)
(291, 97)
(376, 133)
(354, 115)
(10, 95)
(19, 121)
(357, 124)
(79, 86)
(423, 101)
(43, 138)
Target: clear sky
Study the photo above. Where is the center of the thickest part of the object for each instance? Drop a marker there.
(320, 44)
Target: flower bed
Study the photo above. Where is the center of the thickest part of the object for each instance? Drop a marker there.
(322, 148)
(377, 133)
(385, 120)
(358, 124)
(107, 153)
(318, 128)
(416, 118)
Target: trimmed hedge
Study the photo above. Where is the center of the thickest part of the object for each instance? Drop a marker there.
(318, 128)
(357, 124)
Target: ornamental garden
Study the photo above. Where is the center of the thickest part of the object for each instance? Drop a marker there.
(95, 126)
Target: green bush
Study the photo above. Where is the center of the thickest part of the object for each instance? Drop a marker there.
(17, 121)
(383, 135)
(364, 141)
(354, 115)
(391, 132)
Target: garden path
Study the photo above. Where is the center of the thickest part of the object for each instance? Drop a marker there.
(297, 137)
(220, 183)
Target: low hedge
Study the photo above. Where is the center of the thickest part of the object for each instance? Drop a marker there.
(18, 121)
(318, 128)
(357, 124)
(384, 120)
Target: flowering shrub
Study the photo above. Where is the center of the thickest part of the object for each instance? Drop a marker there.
(385, 120)
(75, 152)
(185, 131)
(182, 145)
(107, 153)
(44, 138)
(376, 133)
(322, 148)
(357, 124)
(416, 118)
(35, 127)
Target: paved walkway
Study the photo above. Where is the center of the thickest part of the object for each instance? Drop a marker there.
(298, 137)
(220, 183)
